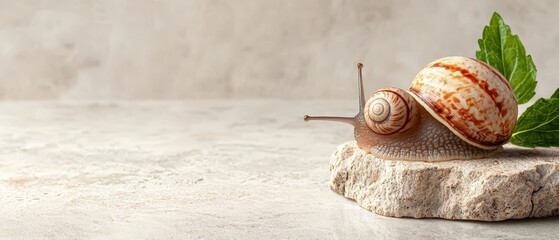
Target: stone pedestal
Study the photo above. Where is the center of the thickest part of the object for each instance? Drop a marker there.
(521, 183)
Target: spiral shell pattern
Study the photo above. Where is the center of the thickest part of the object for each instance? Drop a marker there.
(390, 110)
(470, 97)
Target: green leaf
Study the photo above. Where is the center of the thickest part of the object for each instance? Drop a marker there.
(504, 52)
(555, 94)
(538, 126)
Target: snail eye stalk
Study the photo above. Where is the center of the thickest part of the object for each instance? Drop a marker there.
(349, 120)
(360, 87)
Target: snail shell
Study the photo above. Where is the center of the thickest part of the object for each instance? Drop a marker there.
(469, 97)
(390, 110)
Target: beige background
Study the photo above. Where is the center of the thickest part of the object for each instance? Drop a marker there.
(174, 49)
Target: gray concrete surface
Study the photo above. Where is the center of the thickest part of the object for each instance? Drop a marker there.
(193, 170)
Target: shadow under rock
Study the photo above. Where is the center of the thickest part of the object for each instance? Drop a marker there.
(509, 222)
(528, 221)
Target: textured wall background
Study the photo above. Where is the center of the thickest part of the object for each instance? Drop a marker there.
(138, 49)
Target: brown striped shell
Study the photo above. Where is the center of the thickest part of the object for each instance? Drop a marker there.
(470, 97)
(390, 110)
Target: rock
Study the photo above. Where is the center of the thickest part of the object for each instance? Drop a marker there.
(521, 183)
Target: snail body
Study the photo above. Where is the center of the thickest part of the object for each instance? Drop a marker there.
(455, 108)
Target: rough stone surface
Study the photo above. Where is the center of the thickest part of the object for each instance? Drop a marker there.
(521, 183)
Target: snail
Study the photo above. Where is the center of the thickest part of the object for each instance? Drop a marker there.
(455, 108)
